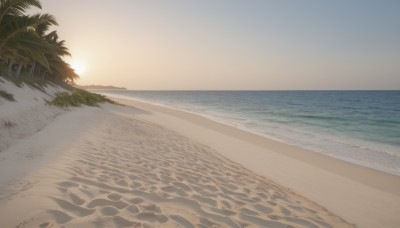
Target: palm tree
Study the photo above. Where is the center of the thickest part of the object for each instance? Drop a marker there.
(15, 28)
(25, 44)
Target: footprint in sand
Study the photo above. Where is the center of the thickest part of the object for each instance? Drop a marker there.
(122, 222)
(136, 200)
(182, 221)
(108, 211)
(75, 209)
(68, 184)
(114, 196)
(152, 217)
(133, 209)
(105, 202)
(76, 199)
(60, 216)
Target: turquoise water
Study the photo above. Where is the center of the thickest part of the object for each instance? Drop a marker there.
(362, 127)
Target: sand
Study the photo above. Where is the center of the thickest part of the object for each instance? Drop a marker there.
(148, 166)
(128, 172)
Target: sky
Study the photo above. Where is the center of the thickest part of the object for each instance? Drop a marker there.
(232, 44)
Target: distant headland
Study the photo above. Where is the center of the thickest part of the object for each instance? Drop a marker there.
(97, 87)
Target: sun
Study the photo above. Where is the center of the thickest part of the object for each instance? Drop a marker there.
(78, 67)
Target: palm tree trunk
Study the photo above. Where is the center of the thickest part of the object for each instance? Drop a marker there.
(32, 69)
(19, 69)
(10, 65)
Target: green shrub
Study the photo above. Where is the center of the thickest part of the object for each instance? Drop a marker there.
(79, 97)
(6, 95)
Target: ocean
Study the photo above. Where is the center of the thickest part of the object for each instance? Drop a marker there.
(361, 127)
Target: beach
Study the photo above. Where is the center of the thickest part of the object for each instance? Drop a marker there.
(199, 114)
(142, 165)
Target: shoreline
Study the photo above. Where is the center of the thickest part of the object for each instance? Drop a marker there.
(382, 167)
(355, 187)
(305, 155)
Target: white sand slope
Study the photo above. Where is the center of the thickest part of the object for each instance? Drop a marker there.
(104, 167)
(28, 114)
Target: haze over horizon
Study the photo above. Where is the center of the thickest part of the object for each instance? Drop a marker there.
(229, 45)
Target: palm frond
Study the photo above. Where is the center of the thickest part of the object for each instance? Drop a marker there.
(17, 7)
(12, 25)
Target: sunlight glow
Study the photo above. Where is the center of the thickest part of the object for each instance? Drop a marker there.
(79, 67)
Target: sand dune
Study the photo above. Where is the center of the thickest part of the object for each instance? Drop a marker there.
(126, 172)
(28, 114)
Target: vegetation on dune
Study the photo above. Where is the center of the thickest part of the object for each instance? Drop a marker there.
(6, 95)
(28, 50)
(79, 97)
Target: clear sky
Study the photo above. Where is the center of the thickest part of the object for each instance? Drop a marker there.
(232, 44)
